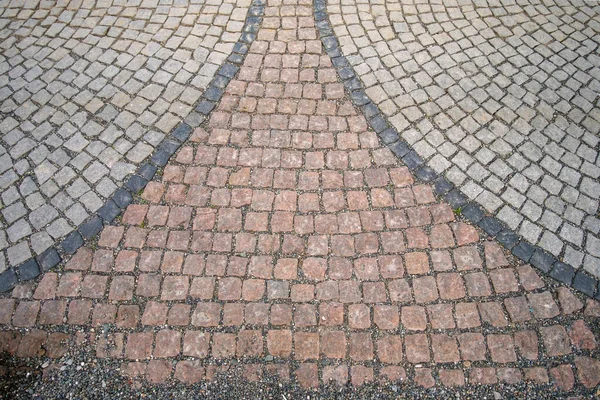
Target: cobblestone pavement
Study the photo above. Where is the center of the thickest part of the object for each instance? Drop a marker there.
(88, 89)
(283, 238)
(499, 96)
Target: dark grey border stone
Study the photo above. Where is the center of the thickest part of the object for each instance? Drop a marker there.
(522, 249)
(136, 182)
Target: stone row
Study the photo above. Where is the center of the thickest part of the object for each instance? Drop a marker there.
(310, 306)
(365, 355)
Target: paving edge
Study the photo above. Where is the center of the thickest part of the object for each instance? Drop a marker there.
(136, 182)
(520, 248)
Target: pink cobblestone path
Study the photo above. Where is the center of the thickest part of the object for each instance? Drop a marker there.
(284, 236)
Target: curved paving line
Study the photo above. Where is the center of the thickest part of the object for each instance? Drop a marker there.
(520, 248)
(114, 206)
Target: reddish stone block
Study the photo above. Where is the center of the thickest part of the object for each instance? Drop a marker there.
(223, 345)
(139, 345)
(253, 289)
(104, 314)
(477, 284)
(307, 375)
(361, 375)
(46, 289)
(257, 314)
(79, 312)
(588, 371)
(414, 318)
(417, 238)
(400, 291)
(527, 344)
(305, 315)
(425, 289)
(281, 314)
(536, 374)
(26, 313)
(395, 219)
(229, 289)
(392, 373)
(111, 236)
(157, 215)
(333, 344)
(467, 315)
(331, 314)
(250, 343)
(302, 293)
(391, 267)
(335, 374)
(373, 292)
(148, 285)
(279, 343)
(361, 346)
(328, 290)
(442, 213)
(94, 286)
(314, 268)
(69, 284)
(386, 316)
(472, 346)
(492, 314)
(569, 303)
(189, 371)
(501, 348)
(450, 286)
(467, 257)
(424, 378)
(441, 237)
(452, 377)
(563, 377)
(82, 260)
(155, 313)
(440, 316)
(359, 316)
(556, 340)
(417, 348)
(167, 343)
(206, 314)
(57, 344)
(135, 214)
(581, 336)
(233, 314)
(543, 305)
(158, 371)
(389, 349)
(504, 280)
(517, 309)
(483, 376)
(393, 242)
(121, 288)
(31, 344)
(511, 376)
(494, 255)
(465, 233)
(444, 348)
(306, 345)
(417, 263)
(195, 344)
(52, 312)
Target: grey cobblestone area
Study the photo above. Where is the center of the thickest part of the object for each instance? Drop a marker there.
(88, 89)
(500, 97)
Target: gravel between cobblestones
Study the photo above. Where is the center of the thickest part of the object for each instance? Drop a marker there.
(76, 378)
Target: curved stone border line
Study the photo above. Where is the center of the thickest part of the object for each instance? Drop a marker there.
(123, 196)
(519, 247)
